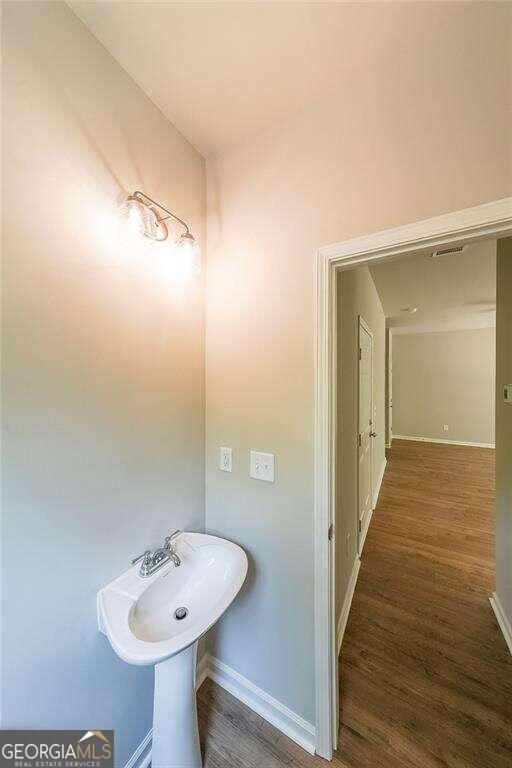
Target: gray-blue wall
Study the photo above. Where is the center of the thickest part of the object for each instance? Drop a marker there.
(103, 376)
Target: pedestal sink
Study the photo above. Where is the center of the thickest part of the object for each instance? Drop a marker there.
(159, 619)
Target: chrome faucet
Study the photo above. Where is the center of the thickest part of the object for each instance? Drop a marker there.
(171, 549)
(152, 561)
(146, 567)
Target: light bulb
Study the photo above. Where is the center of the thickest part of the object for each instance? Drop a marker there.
(140, 218)
(189, 254)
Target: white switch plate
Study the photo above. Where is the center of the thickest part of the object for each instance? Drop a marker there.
(225, 459)
(262, 466)
(507, 393)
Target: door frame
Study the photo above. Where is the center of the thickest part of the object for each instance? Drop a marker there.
(389, 388)
(491, 219)
(361, 534)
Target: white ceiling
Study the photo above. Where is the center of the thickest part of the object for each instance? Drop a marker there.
(453, 292)
(221, 72)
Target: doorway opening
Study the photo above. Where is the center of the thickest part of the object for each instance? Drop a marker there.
(424, 508)
(420, 239)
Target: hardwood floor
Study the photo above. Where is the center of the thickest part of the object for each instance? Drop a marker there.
(426, 676)
(233, 736)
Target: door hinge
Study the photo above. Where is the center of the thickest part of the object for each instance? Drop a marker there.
(359, 440)
(360, 526)
(360, 353)
(330, 533)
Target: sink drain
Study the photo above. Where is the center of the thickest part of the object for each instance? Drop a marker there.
(180, 613)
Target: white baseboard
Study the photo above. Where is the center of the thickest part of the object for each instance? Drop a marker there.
(375, 499)
(141, 758)
(502, 619)
(347, 602)
(271, 710)
(376, 490)
(362, 538)
(438, 440)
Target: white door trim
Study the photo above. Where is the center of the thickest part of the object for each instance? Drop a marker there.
(483, 221)
(326, 692)
(502, 619)
(361, 535)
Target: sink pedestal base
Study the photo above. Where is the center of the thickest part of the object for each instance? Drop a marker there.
(175, 732)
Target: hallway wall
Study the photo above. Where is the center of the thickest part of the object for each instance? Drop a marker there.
(445, 378)
(103, 369)
(356, 295)
(362, 160)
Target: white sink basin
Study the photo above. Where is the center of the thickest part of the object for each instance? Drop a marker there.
(138, 616)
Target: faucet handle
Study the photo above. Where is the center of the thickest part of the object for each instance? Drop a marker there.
(145, 555)
(169, 539)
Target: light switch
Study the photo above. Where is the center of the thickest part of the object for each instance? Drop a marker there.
(262, 466)
(507, 393)
(226, 459)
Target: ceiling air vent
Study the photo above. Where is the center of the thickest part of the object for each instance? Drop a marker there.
(450, 251)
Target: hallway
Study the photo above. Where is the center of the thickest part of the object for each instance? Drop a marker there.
(425, 672)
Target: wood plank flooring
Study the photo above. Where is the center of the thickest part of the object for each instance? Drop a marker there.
(426, 677)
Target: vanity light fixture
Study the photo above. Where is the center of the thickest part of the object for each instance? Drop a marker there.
(144, 216)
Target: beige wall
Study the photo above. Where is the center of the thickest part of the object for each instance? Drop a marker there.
(504, 428)
(103, 372)
(336, 170)
(356, 295)
(445, 378)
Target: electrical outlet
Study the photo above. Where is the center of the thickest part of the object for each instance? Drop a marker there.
(225, 459)
(445, 427)
(262, 466)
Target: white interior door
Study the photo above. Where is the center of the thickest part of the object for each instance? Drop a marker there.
(390, 388)
(365, 429)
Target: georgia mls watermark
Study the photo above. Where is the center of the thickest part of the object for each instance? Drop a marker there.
(57, 749)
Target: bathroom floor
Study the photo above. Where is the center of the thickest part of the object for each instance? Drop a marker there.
(233, 736)
(426, 677)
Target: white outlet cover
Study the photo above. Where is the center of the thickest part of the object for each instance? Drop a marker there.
(225, 459)
(262, 466)
(445, 427)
